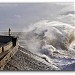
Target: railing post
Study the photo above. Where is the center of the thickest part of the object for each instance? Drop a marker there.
(2, 49)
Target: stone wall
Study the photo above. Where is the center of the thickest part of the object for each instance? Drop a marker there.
(6, 46)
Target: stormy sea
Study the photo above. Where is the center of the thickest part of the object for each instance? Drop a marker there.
(52, 43)
(46, 44)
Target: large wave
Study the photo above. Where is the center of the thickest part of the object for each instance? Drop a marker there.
(45, 37)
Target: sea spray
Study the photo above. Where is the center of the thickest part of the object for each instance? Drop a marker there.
(45, 38)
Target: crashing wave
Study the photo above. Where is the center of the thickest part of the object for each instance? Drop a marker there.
(50, 39)
(57, 34)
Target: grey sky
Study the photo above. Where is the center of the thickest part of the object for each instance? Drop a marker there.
(20, 16)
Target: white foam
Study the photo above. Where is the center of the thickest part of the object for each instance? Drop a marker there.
(46, 33)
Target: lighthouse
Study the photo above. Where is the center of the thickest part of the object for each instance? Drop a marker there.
(9, 32)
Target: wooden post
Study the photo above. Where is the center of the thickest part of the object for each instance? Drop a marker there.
(2, 49)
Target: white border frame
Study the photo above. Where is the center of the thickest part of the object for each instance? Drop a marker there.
(36, 73)
(19, 1)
